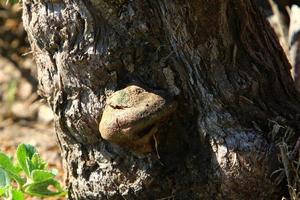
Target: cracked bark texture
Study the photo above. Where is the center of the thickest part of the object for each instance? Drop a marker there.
(219, 59)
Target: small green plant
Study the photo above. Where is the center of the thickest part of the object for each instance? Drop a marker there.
(28, 175)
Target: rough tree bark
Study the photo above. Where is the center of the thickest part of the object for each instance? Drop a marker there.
(219, 60)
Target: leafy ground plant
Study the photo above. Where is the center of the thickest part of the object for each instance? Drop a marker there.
(28, 175)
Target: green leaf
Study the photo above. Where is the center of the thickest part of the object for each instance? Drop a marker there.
(24, 154)
(17, 195)
(18, 167)
(46, 188)
(40, 183)
(38, 162)
(41, 175)
(5, 162)
(4, 178)
(3, 190)
(7, 165)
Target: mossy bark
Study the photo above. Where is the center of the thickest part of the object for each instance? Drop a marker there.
(220, 60)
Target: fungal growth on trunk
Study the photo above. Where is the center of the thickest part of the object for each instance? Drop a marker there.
(132, 117)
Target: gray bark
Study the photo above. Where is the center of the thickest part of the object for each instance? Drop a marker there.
(218, 59)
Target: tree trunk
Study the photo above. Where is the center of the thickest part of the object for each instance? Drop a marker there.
(294, 43)
(219, 60)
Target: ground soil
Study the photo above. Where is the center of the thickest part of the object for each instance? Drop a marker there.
(24, 117)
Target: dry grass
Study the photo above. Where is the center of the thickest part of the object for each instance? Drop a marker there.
(289, 157)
